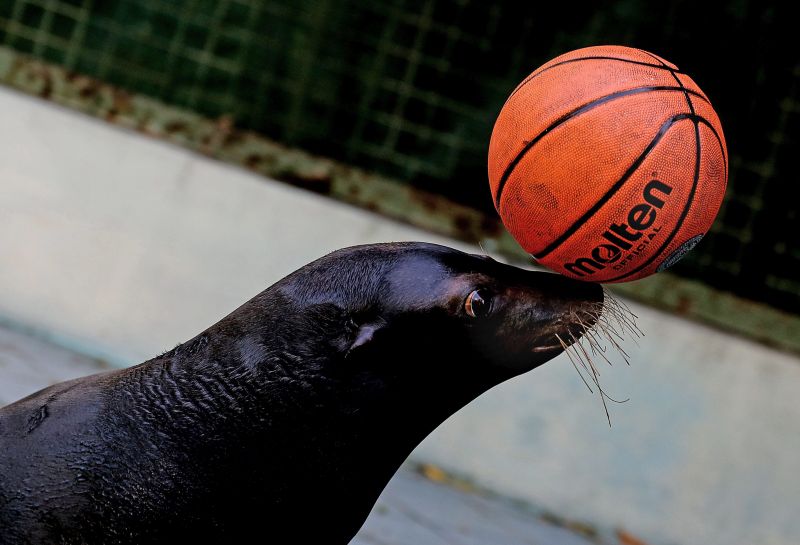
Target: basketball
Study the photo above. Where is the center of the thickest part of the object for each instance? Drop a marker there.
(607, 164)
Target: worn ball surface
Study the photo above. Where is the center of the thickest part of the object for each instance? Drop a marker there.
(607, 164)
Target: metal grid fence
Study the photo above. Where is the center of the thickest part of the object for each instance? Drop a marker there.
(411, 89)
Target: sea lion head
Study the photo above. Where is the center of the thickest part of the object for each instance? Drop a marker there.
(417, 304)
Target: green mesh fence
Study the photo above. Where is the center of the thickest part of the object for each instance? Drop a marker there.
(411, 89)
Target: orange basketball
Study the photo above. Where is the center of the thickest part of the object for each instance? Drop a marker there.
(607, 164)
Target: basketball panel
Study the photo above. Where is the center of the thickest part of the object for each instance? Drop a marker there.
(626, 54)
(621, 52)
(655, 58)
(557, 93)
(626, 232)
(570, 169)
(706, 111)
(705, 205)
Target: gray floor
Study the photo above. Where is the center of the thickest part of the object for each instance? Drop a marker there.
(413, 510)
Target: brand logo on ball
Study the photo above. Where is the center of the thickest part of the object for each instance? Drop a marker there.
(621, 235)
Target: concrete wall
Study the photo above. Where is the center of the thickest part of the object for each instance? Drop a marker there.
(123, 246)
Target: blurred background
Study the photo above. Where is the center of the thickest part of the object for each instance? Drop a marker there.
(162, 162)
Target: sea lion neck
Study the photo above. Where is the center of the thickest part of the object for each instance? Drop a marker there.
(276, 367)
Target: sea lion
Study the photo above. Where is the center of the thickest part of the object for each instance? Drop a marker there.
(283, 422)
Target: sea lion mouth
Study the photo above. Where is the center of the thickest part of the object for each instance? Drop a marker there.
(547, 348)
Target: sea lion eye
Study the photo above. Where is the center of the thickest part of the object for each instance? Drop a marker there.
(478, 303)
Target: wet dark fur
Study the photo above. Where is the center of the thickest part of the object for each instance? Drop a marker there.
(283, 422)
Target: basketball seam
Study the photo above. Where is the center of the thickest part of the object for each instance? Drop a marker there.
(592, 58)
(566, 117)
(676, 78)
(708, 124)
(659, 60)
(613, 189)
(682, 218)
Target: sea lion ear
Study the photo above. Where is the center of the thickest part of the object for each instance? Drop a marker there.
(366, 332)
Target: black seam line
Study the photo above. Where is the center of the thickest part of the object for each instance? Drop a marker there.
(566, 117)
(685, 92)
(683, 215)
(614, 188)
(708, 124)
(676, 78)
(594, 58)
(660, 61)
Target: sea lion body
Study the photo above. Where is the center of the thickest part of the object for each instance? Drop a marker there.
(284, 421)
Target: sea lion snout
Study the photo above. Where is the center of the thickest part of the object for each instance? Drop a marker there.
(534, 316)
(567, 308)
(570, 309)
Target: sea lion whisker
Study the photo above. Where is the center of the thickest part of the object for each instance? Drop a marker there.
(596, 380)
(589, 359)
(610, 321)
(610, 333)
(603, 325)
(621, 304)
(578, 355)
(572, 361)
(594, 342)
(618, 348)
(586, 364)
(628, 326)
(606, 396)
(618, 401)
(589, 334)
(615, 336)
(623, 315)
(609, 328)
(595, 376)
(615, 313)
